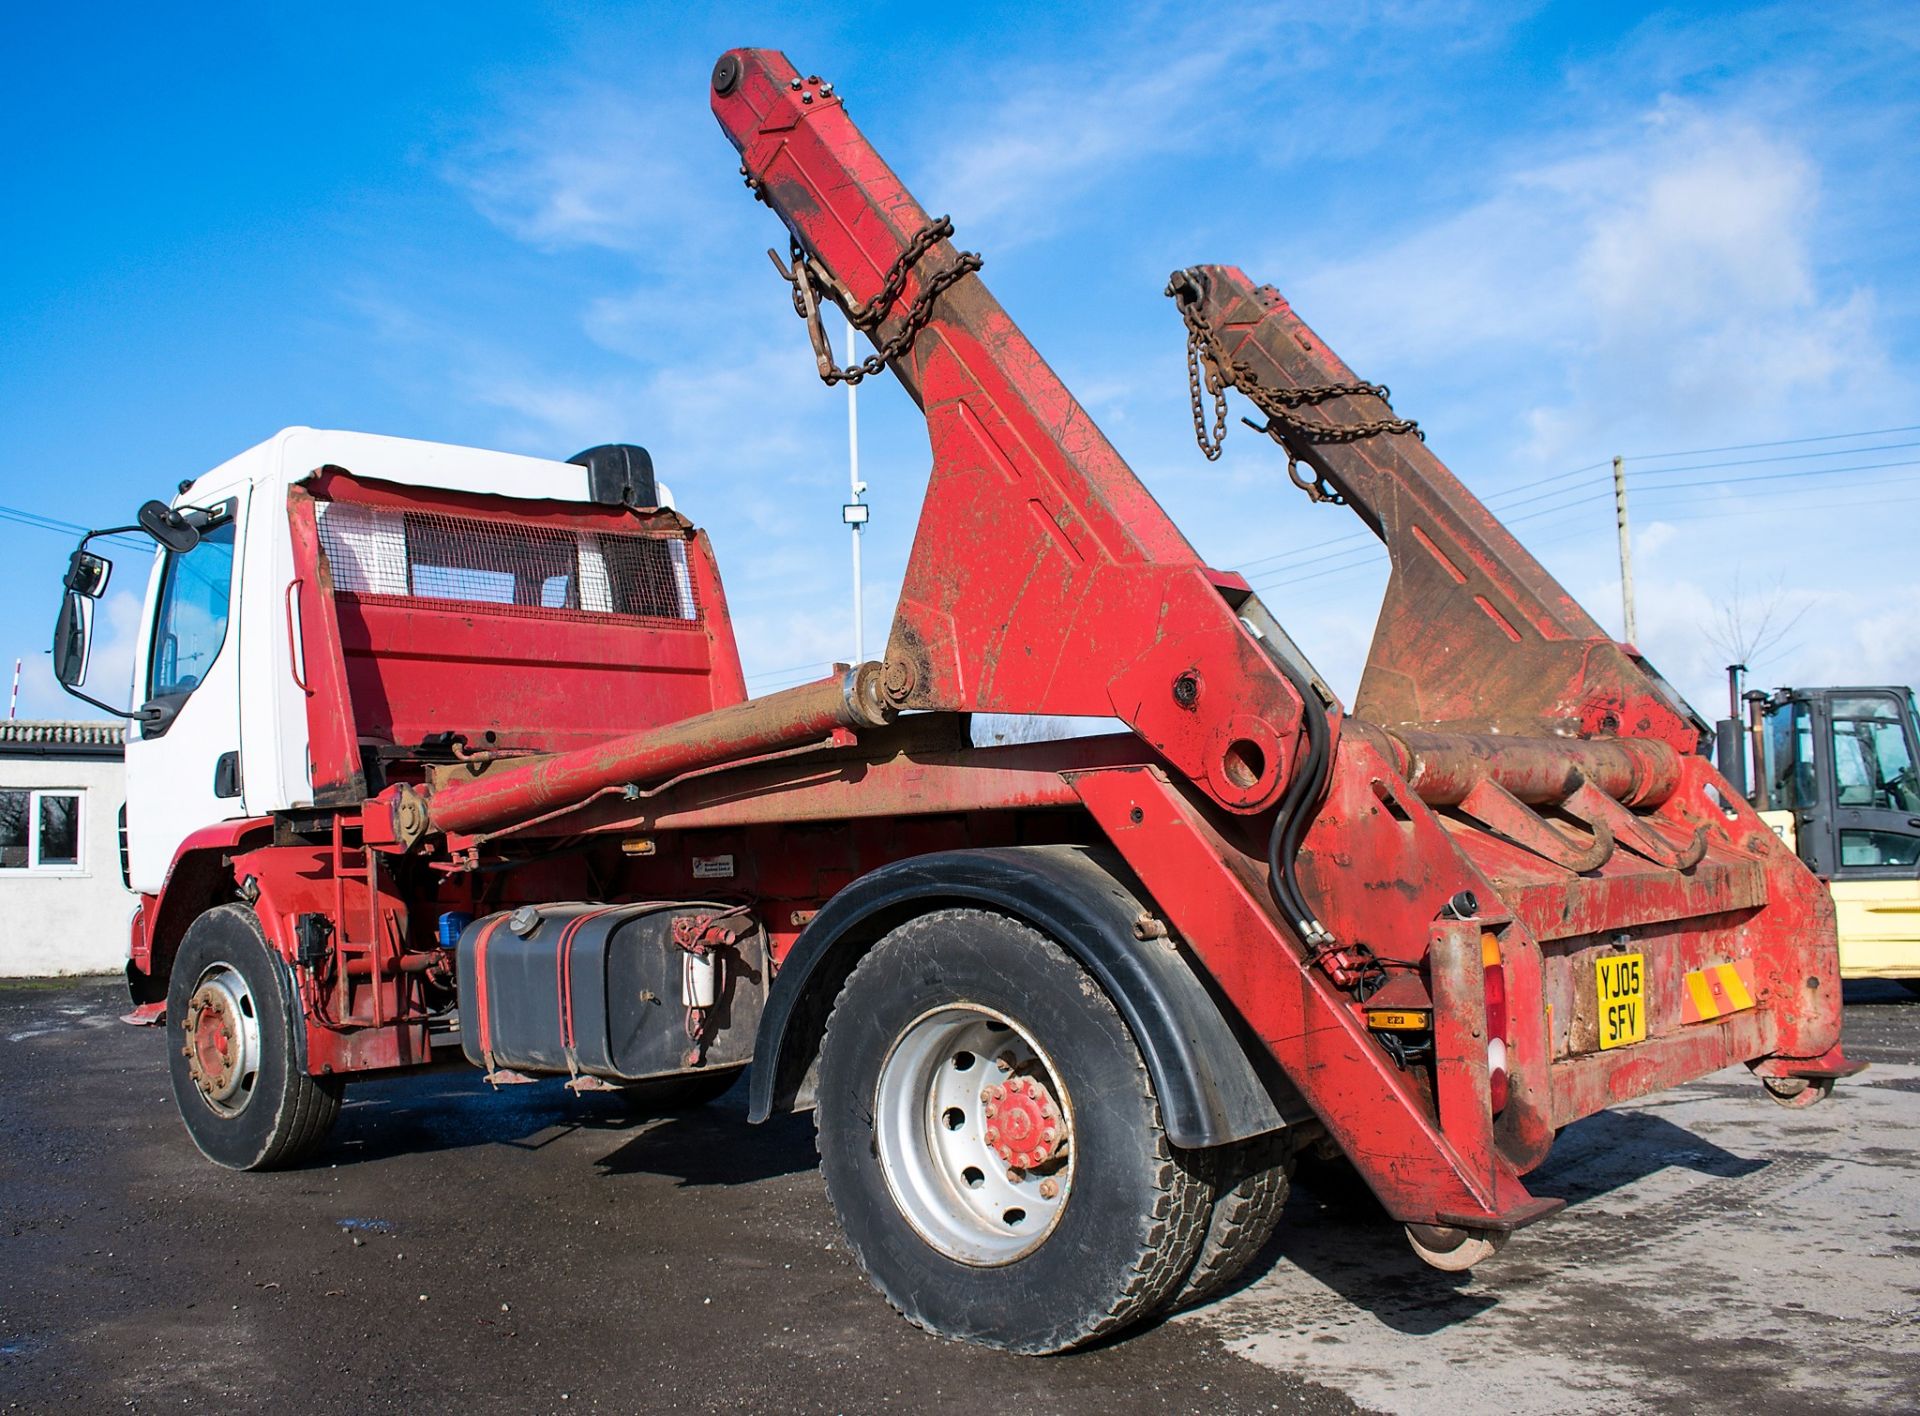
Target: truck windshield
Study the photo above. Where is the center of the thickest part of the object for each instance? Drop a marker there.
(1872, 762)
(192, 621)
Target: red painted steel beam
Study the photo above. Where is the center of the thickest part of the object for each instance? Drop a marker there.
(1044, 577)
(1473, 632)
(503, 794)
(1442, 768)
(856, 784)
(1423, 1171)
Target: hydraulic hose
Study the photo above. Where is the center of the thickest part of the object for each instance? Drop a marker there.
(1295, 814)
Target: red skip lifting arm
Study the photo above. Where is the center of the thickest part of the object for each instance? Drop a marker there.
(1044, 577)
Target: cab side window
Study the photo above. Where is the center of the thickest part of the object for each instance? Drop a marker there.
(195, 600)
(1872, 766)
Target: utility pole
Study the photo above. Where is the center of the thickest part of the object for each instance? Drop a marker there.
(1626, 544)
(855, 512)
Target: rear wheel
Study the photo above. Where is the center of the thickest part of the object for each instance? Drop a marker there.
(1451, 1249)
(992, 1144)
(232, 1049)
(1798, 1092)
(1251, 1182)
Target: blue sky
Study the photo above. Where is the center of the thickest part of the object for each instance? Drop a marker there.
(1560, 232)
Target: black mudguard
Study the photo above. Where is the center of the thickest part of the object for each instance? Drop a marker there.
(1215, 1083)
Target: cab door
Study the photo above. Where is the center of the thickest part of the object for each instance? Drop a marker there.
(183, 753)
(1876, 791)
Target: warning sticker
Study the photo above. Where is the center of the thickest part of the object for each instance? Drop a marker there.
(718, 867)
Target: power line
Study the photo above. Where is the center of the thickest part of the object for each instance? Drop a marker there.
(1780, 442)
(1762, 461)
(1542, 481)
(1735, 482)
(789, 669)
(38, 522)
(1504, 500)
(1370, 557)
(1803, 506)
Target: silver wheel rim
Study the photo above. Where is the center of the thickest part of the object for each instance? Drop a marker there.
(931, 1126)
(223, 1039)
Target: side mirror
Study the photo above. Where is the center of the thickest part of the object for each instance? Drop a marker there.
(87, 574)
(71, 635)
(168, 527)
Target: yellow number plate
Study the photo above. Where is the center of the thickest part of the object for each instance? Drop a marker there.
(1621, 982)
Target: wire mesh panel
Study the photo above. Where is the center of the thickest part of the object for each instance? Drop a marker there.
(510, 567)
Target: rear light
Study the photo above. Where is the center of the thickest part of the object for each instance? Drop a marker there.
(1497, 1029)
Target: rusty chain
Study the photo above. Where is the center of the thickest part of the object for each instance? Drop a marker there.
(810, 281)
(1211, 372)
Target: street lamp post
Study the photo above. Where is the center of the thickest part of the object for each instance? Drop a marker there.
(855, 512)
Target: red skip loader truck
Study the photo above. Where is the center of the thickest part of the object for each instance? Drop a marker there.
(442, 751)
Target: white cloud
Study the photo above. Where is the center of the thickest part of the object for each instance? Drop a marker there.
(590, 166)
(1663, 277)
(1013, 170)
(116, 629)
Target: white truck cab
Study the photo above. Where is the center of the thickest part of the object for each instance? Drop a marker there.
(219, 728)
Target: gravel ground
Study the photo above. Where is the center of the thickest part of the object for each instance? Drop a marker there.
(529, 1250)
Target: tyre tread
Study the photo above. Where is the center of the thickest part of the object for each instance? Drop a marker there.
(1254, 1180)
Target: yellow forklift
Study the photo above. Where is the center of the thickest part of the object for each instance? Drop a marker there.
(1833, 771)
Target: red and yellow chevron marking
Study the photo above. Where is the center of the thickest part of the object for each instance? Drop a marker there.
(1717, 990)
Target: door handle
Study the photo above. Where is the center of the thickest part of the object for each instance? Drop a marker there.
(1914, 821)
(295, 656)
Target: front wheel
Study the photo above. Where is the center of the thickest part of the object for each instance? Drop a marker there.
(992, 1144)
(232, 1049)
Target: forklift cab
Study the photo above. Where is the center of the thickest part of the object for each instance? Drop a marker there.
(1839, 764)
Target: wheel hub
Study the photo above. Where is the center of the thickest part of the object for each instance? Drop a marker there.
(1023, 1123)
(972, 1126)
(222, 1039)
(210, 1049)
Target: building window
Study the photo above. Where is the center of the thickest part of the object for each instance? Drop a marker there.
(40, 831)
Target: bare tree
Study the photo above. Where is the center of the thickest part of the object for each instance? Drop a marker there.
(1746, 630)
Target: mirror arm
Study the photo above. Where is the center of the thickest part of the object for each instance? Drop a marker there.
(136, 715)
(205, 518)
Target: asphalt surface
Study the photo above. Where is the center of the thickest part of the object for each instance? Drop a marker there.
(529, 1250)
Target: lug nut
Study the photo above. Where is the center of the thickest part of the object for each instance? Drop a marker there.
(1049, 1189)
(993, 1135)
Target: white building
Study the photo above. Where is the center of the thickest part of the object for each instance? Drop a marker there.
(64, 907)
